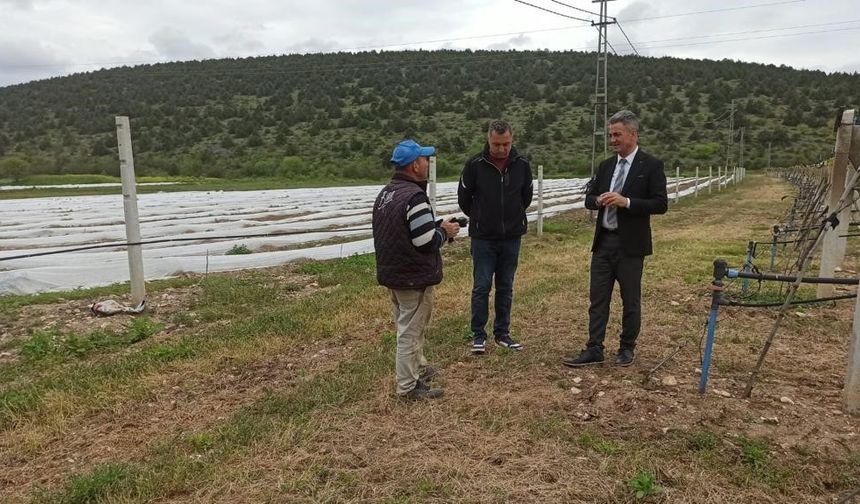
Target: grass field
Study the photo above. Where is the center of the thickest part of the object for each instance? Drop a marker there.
(277, 386)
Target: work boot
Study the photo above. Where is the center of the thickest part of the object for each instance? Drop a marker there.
(588, 357)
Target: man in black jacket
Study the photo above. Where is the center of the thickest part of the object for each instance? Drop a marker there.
(495, 190)
(407, 240)
(628, 189)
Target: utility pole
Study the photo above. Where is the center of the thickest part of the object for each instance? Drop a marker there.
(731, 136)
(601, 84)
(741, 158)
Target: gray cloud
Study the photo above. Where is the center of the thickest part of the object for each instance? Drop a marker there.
(240, 43)
(311, 45)
(21, 4)
(175, 45)
(25, 60)
(520, 40)
(75, 35)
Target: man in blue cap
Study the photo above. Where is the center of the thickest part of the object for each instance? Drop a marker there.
(407, 240)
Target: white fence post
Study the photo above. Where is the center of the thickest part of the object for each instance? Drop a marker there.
(677, 183)
(710, 178)
(719, 180)
(431, 186)
(697, 182)
(540, 201)
(129, 201)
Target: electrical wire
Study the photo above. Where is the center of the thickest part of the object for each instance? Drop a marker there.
(458, 39)
(551, 11)
(576, 8)
(628, 39)
(712, 11)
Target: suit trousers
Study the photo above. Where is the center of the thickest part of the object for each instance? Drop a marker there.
(411, 309)
(608, 265)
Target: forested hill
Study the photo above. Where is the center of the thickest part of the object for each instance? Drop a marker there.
(338, 115)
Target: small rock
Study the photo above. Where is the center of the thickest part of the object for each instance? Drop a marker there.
(770, 420)
(786, 400)
(674, 303)
(577, 380)
(698, 370)
(173, 405)
(836, 412)
(722, 393)
(837, 269)
(5, 354)
(575, 390)
(665, 430)
(669, 381)
(604, 382)
(601, 394)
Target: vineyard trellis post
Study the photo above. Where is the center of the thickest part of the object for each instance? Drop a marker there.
(852, 375)
(129, 202)
(833, 249)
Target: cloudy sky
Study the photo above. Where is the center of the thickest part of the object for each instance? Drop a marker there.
(45, 38)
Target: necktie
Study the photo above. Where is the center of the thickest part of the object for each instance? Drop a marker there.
(610, 216)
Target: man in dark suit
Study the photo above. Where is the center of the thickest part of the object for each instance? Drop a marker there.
(629, 187)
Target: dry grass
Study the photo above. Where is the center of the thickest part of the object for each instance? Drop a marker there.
(304, 412)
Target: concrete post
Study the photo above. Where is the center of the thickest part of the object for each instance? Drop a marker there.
(129, 201)
(852, 378)
(710, 178)
(833, 248)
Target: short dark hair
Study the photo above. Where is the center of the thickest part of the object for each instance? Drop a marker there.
(626, 118)
(500, 126)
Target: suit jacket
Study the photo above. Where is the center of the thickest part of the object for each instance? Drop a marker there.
(646, 187)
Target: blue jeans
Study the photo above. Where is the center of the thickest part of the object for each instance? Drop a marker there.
(493, 258)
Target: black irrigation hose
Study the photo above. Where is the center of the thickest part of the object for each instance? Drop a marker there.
(169, 240)
(728, 302)
(785, 242)
(785, 278)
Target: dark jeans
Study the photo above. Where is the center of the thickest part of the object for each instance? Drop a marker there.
(493, 258)
(608, 264)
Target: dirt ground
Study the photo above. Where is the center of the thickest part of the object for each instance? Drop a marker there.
(513, 427)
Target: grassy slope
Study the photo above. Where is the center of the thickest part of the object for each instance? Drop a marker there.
(276, 392)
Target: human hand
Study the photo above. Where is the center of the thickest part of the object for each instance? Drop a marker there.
(612, 199)
(452, 229)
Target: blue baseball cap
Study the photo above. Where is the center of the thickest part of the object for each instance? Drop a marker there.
(408, 151)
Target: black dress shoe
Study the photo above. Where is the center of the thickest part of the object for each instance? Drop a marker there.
(588, 357)
(625, 357)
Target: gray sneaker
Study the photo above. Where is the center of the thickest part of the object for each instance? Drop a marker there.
(422, 391)
(506, 341)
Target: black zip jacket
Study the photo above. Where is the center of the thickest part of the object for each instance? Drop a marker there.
(496, 202)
